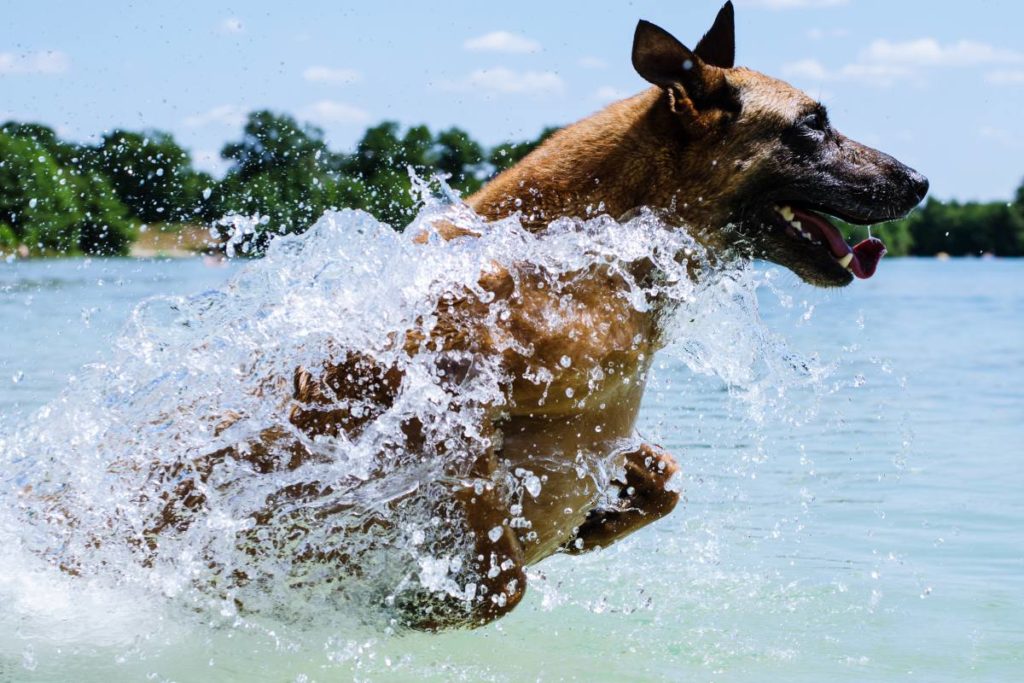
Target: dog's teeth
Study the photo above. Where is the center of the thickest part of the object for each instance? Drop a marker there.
(798, 225)
(807, 236)
(787, 213)
(845, 261)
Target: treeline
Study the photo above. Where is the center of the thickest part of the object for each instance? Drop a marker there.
(59, 197)
(954, 228)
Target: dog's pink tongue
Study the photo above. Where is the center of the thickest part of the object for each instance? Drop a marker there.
(866, 256)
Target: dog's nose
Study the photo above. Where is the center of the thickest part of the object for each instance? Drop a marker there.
(919, 184)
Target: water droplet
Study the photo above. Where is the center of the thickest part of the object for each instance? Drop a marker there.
(532, 485)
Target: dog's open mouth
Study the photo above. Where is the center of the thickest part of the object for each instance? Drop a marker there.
(803, 224)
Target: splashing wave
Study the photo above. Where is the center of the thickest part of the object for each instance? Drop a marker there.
(96, 476)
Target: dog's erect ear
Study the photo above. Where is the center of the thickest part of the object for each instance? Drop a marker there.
(718, 46)
(664, 61)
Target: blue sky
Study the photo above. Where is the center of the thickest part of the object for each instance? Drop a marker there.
(938, 84)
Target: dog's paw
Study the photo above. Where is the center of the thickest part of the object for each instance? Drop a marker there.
(652, 481)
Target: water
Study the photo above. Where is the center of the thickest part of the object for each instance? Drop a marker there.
(852, 496)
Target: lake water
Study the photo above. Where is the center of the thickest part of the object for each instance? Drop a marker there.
(867, 527)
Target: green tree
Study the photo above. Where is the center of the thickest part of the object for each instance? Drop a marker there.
(66, 154)
(38, 207)
(896, 235)
(967, 229)
(51, 207)
(462, 158)
(152, 175)
(284, 172)
(272, 141)
(380, 164)
(508, 154)
(384, 156)
(106, 227)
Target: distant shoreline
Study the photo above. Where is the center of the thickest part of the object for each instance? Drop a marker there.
(195, 242)
(156, 241)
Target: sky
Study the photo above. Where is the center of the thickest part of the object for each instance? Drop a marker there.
(940, 85)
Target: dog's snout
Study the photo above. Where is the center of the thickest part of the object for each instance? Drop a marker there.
(919, 184)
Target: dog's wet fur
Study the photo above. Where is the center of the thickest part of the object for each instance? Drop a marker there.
(711, 147)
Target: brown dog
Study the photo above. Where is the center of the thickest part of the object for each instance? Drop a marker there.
(709, 145)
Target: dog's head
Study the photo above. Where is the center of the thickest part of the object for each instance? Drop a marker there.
(764, 158)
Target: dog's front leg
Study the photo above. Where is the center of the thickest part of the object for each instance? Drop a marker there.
(647, 494)
(494, 568)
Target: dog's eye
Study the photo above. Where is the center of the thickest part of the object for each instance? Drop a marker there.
(815, 121)
(808, 132)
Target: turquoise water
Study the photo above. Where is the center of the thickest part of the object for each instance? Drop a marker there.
(867, 526)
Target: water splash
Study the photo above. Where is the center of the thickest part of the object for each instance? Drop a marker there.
(193, 375)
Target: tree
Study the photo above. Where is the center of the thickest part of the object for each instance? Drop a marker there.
(66, 154)
(508, 154)
(54, 208)
(380, 164)
(896, 235)
(284, 172)
(106, 227)
(274, 141)
(38, 207)
(460, 157)
(384, 156)
(152, 175)
(967, 229)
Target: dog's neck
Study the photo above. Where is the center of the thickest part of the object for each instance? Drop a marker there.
(627, 156)
(596, 166)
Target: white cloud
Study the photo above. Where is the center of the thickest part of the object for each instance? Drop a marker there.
(331, 76)
(884, 63)
(929, 52)
(232, 25)
(1005, 77)
(1000, 136)
(43, 62)
(823, 33)
(592, 63)
(810, 69)
(503, 80)
(223, 115)
(880, 75)
(502, 41)
(792, 4)
(327, 112)
(607, 93)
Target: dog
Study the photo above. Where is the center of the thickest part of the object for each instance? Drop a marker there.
(707, 145)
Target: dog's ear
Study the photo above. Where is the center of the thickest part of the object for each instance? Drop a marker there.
(718, 46)
(665, 62)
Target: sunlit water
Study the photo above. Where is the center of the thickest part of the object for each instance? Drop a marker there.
(852, 460)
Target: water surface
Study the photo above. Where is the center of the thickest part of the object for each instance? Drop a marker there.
(868, 525)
